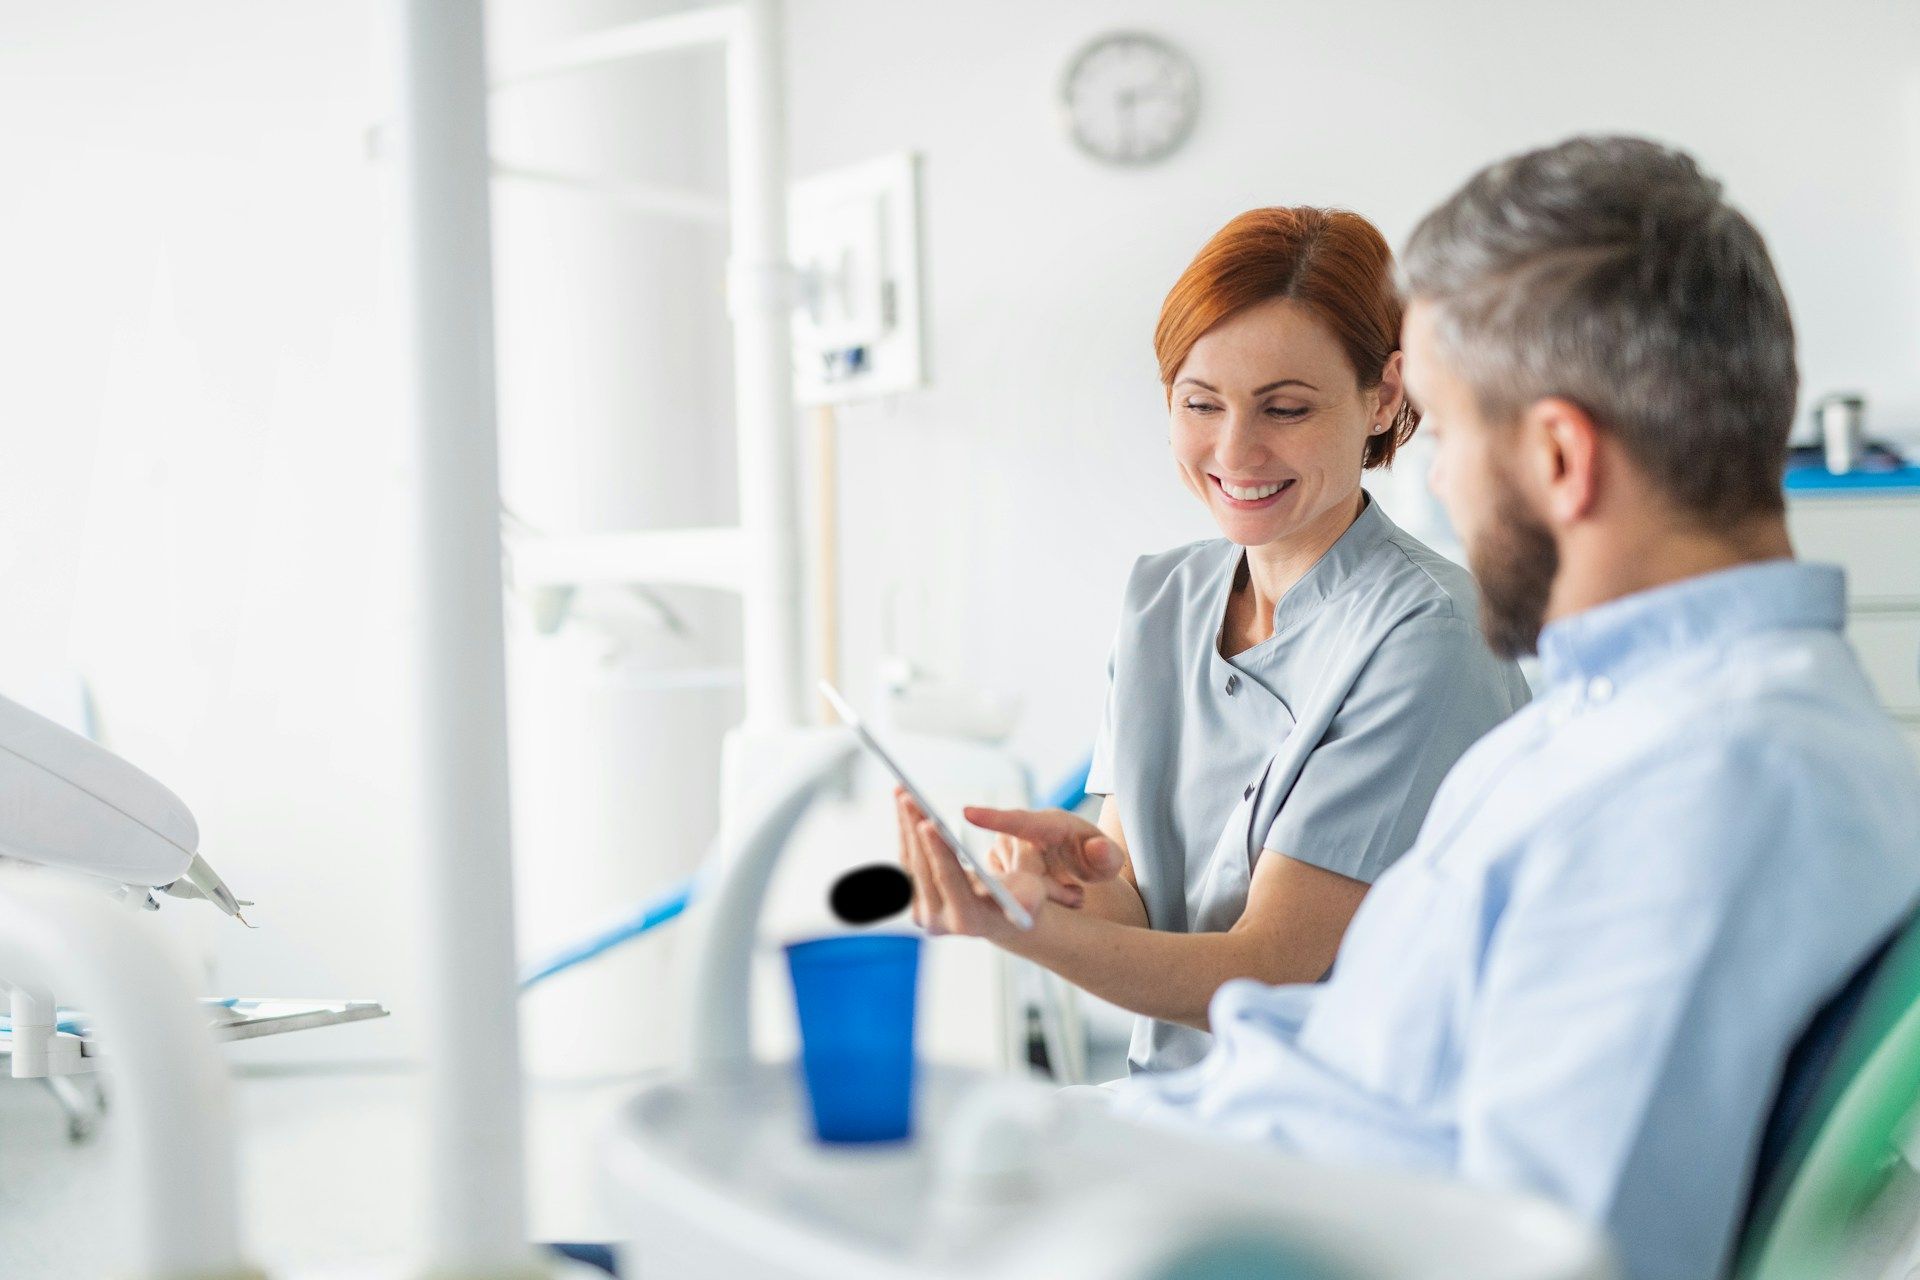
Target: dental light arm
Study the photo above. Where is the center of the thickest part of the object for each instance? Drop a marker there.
(70, 803)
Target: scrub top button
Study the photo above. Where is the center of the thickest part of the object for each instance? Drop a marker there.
(1599, 689)
(1233, 685)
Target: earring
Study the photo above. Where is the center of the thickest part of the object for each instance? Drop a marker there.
(1378, 427)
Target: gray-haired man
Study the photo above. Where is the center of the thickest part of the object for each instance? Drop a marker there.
(1627, 900)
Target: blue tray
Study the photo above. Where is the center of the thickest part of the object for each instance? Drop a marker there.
(1818, 479)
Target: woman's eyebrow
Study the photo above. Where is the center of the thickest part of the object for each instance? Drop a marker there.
(1259, 391)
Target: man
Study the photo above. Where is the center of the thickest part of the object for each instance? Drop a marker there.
(1627, 900)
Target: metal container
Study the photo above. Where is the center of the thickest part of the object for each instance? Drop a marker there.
(1842, 420)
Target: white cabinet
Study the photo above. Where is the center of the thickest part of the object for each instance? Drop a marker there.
(1876, 539)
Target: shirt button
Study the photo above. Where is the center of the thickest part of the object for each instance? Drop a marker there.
(1599, 689)
(1233, 685)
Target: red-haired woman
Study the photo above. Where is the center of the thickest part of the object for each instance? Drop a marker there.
(1284, 699)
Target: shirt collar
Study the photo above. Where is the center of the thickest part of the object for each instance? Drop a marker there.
(1615, 639)
(1320, 583)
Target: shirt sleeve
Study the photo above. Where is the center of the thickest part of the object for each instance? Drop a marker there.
(1431, 689)
(1100, 776)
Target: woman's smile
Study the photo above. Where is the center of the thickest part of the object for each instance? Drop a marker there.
(1253, 496)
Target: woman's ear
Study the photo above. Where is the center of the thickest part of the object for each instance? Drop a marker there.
(1390, 395)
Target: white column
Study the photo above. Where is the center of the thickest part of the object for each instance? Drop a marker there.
(476, 1220)
(615, 764)
(763, 373)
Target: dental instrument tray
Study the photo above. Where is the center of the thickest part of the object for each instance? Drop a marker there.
(254, 1017)
(235, 1018)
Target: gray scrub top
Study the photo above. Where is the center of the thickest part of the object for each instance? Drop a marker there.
(1324, 743)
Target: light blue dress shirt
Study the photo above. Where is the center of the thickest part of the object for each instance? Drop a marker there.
(1626, 903)
(1325, 742)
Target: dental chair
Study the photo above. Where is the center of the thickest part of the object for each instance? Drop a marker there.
(1836, 1187)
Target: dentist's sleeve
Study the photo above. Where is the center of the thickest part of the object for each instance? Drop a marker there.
(1100, 772)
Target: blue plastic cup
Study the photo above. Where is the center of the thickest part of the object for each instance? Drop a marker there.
(855, 997)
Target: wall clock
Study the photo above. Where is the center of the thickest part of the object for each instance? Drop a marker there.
(1130, 98)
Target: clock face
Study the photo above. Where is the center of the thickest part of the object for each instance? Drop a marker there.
(1130, 98)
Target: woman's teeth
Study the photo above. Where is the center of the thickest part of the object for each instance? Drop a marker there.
(1251, 495)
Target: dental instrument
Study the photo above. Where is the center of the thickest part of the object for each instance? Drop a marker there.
(1009, 905)
(70, 803)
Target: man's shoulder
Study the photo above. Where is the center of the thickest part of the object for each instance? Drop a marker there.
(1791, 703)
(1722, 792)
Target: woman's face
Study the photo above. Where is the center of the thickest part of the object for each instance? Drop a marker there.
(1270, 424)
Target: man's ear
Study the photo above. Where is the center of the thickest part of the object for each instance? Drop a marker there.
(1561, 458)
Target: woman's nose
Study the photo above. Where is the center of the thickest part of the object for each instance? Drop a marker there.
(1240, 445)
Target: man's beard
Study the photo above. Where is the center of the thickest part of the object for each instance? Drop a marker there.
(1514, 561)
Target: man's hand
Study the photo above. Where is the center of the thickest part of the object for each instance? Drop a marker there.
(1064, 850)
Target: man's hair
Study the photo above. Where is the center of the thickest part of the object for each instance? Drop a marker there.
(1611, 272)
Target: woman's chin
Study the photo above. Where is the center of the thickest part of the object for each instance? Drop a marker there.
(1253, 533)
(1252, 528)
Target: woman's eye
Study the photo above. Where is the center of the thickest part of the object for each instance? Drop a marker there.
(1196, 407)
(1276, 411)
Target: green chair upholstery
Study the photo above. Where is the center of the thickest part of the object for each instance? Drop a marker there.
(1821, 1213)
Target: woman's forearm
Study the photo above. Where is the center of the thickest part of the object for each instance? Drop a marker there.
(1116, 900)
(1160, 974)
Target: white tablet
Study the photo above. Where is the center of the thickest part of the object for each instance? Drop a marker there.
(1009, 905)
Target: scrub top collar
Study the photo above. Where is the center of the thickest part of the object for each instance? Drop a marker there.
(1613, 641)
(1331, 572)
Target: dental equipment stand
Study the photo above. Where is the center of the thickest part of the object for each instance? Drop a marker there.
(69, 804)
(714, 1173)
(72, 1053)
(179, 1182)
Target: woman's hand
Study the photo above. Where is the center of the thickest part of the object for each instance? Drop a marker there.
(1064, 850)
(946, 897)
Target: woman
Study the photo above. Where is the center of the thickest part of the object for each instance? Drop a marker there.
(1283, 700)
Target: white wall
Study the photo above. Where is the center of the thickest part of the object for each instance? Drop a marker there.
(203, 496)
(207, 484)
(207, 479)
(1023, 483)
